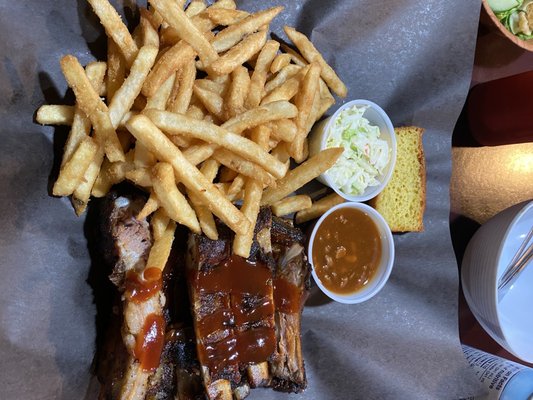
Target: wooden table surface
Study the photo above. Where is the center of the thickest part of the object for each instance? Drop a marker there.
(495, 58)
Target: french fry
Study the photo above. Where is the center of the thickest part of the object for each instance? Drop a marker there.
(283, 129)
(115, 28)
(187, 31)
(229, 4)
(72, 172)
(281, 77)
(291, 204)
(243, 166)
(110, 174)
(304, 173)
(236, 186)
(197, 154)
(207, 222)
(156, 141)
(261, 115)
(239, 54)
(258, 79)
(318, 208)
(311, 54)
(140, 176)
(170, 198)
(225, 16)
(151, 16)
(253, 191)
(81, 126)
(160, 98)
(285, 91)
(181, 98)
(281, 61)
(160, 250)
(142, 158)
(296, 57)
(149, 31)
(55, 115)
(173, 59)
(212, 86)
(92, 105)
(230, 36)
(211, 101)
(125, 96)
(237, 93)
(180, 124)
(159, 223)
(281, 152)
(82, 193)
(151, 205)
(304, 101)
(116, 69)
(195, 7)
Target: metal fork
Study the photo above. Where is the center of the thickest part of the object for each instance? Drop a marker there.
(520, 260)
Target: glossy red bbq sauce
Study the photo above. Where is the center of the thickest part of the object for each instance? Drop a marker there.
(287, 297)
(141, 288)
(150, 341)
(244, 290)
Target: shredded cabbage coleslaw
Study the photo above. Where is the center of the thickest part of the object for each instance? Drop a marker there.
(365, 155)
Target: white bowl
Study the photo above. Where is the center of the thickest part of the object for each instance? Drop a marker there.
(509, 321)
(384, 268)
(377, 117)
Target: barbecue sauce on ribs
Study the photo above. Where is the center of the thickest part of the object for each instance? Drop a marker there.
(249, 285)
(139, 289)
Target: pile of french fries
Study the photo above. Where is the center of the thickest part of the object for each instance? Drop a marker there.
(200, 109)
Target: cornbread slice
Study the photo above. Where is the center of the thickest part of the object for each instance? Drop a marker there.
(403, 201)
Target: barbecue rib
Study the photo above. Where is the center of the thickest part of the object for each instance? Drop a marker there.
(247, 312)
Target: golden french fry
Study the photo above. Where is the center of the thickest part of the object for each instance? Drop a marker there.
(291, 204)
(211, 101)
(258, 79)
(212, 86)
(150, 37)
(110, 174)
(159, 223)
(140, 176)
(181, 124)
(170, 198)
(115, 28)
(72, 172)
(197, 154)
(142, 158)
(186, 29)
(283, 129)
(116, 69)
(304, 101)
(174, 58)
(207, 222)
(160, 98)
(281, 152)
(195, 7)
(125, 96)
(230, 36)
(302, 174)
(281, 77)
(237, 93)
(82, 193)
(281, 61)
(296, 58)
(229, 4)
(225, 16)
(183, 85)
(243, 166)
(318, 208)
(236, 186)
(240, 53)
(147, 133)
(151, 16)
(253, 191)
(92, 105)
(81, 126)
(260, 115)
(55, 115)
(285, 91)
(160, 250)
(151, 205)
(311, 54)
